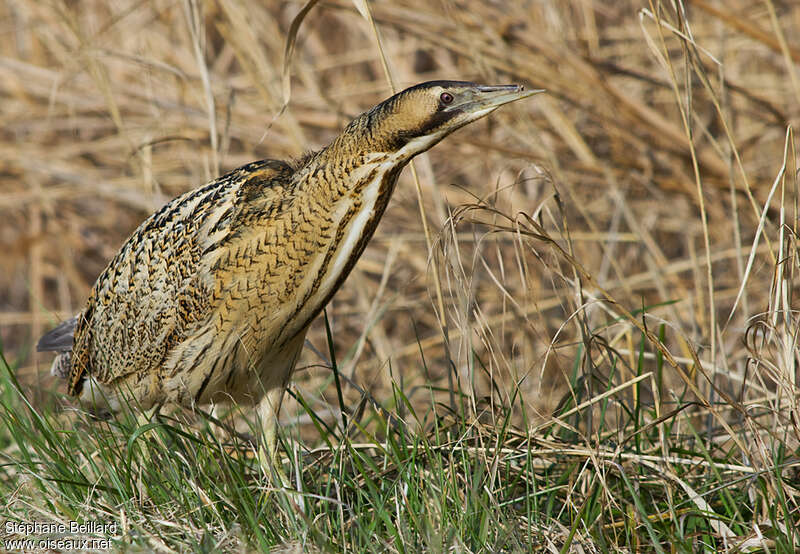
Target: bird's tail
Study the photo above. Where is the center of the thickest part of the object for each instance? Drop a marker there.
(59, 340)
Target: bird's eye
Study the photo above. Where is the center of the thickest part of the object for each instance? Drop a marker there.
(446, 97)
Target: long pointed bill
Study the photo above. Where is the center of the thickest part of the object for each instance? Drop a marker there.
(487, 98)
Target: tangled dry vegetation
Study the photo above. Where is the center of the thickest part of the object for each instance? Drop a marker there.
(628, 237)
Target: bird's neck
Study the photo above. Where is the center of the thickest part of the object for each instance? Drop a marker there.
(339, 195)
(348, 185)
(345, 166)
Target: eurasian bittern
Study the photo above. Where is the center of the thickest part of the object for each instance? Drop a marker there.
(210, 299)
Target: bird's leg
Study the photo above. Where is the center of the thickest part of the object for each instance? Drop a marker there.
(268, 457)
(270, 406)
(141, 419)
(149, 415)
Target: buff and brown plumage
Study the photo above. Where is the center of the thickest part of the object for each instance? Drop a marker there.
(210, 299)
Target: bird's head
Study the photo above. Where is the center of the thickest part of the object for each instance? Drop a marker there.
(415, 119)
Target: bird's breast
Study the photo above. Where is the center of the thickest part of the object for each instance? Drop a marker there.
(275, 277)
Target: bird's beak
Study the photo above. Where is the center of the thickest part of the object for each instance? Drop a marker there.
(485, 98)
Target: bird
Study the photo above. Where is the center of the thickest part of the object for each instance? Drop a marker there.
(210, 298)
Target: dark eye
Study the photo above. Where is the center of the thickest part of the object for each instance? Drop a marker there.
(446, 97)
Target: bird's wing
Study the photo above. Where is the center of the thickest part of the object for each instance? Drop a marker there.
(152, 293)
